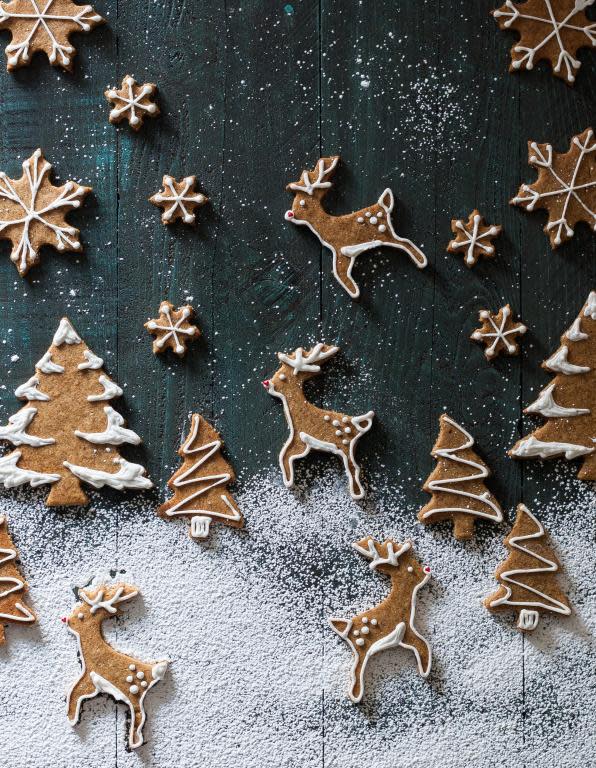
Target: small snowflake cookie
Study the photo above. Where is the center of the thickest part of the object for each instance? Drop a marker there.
(106, 670)
(565, 187)
(44, 25)
(173, 328)
(392, 621)
(498, 332)
(473, 238)
(33, 212)
(178, 199)
(132, 102)
(550, 30)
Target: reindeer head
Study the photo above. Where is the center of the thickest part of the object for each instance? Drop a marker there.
(310, 189)
(97, 603)
(390, 557)
(298, 366)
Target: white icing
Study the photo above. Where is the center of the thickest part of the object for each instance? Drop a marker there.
(65, 334)
(569, 189)
(24, 254)
(12, 476)
(179, 200)
(474, 239)
(97, 602)
(533, 448)
(575, 333)
(130, 102)
(174, 329)
(128, 476)
(499, 334)
(449, 484)
(200, 521)
(91, 361)
(373, 555)
(309, 187)
(16, 429)
(110, 390)
(45, 365)
(546, 406)
(590, 308)
(546, 602)
(301, 364)
(42, 19)
(30, 390)
(115, 433)
(553, 34)
(10, 584)
(558, 363)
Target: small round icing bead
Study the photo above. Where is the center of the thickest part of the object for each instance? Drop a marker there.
(365, 630)
(365, 619)
(368, 214)
(134, 689)
(140, 675)
(360, 220)
(374, 622)
(326, 417)
(338, 432)
(344, 441)
(129, 678)
(144, 684)
(360, 641)
(373, 219)
(132, 667)
(382, 227)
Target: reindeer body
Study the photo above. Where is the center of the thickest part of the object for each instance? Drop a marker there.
(313, 428)
(351, 234)
(106, 670)
(391, 622)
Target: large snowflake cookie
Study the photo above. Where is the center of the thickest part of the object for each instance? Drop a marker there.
(528, 582)
(392, 622)
(498, 332)
(349, 235)
(13, 608)
(173, 329)
(132, 102)
(106, 670)
(565, 187)
(44, 25)
(66, 433)
(473, 238)
(568, 403)
(178, 199)
(551, 30)
(313, 428)
(33, 212)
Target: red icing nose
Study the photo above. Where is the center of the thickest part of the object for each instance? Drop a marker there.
(290, 214)
(427, 569)
(63, 619)
(265, 383)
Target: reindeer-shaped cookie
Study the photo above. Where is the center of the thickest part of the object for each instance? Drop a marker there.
(106, 670)
(391, 622)
(349, 235)
(312, 427)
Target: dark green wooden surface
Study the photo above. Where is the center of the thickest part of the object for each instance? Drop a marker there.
(250, 95)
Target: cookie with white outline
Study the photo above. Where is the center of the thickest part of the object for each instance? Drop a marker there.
(173, 329)
(498, 332)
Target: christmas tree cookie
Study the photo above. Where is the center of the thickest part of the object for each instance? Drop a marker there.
(13, 607)
(67, 432)
(527, 578)
(568, 403)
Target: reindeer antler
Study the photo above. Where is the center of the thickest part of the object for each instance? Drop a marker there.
(322, 170)
(373, 553)
(301, 363)
(98, 602)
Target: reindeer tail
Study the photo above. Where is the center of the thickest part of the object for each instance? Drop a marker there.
(363, 423)
(342, 627)
(159, 670)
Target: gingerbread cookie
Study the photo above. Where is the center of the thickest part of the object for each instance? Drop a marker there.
(178, 199)
(105, 670)
(569, 402)
(66, 433)
(350, 235)
(200, 484)
(391, 622)
(565, 187)
(457, 483)
(527, 578)
(13, 607)
(473, 238)
(33, 212)
(498, 332)
(132, 102)
(44, 25)
(549, 30)
(311, 427)
(173, 328)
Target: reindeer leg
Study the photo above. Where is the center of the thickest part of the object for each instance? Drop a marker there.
(137, 721)
(292, 450)
(84, 688)
(353, 473)
(421, 648)
(408, 247)
(342, 270)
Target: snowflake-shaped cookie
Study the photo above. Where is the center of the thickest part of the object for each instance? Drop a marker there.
(173, 328)
(565, 187)
(498, 332)
(33, 212)
(44, 25)
(178, 199)
(132, 102)
(549, 29)
(474, 237)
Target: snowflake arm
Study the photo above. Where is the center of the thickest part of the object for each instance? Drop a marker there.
(132, 102)
(178, 199)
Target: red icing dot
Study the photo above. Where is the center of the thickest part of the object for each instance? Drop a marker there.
(290, 214)
(427, 569)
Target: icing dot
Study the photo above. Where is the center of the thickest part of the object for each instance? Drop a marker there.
(356, 632)
(365, 619)
(360, 220)
(132, 667)
(382, 227)
(344, 441)
(326, 418)
(303, 203)
(345, 419)
(134, 689)
(282, 376)
(360, 641)
(365, 630)
(410, 569)
(379, 214)
(373, 219)
(129, 679)
(368, 214)
(144, 684)
(338, 432)
(81, 616)
(140, 675)
(347, 430)
(374, 622)
(335, 423)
